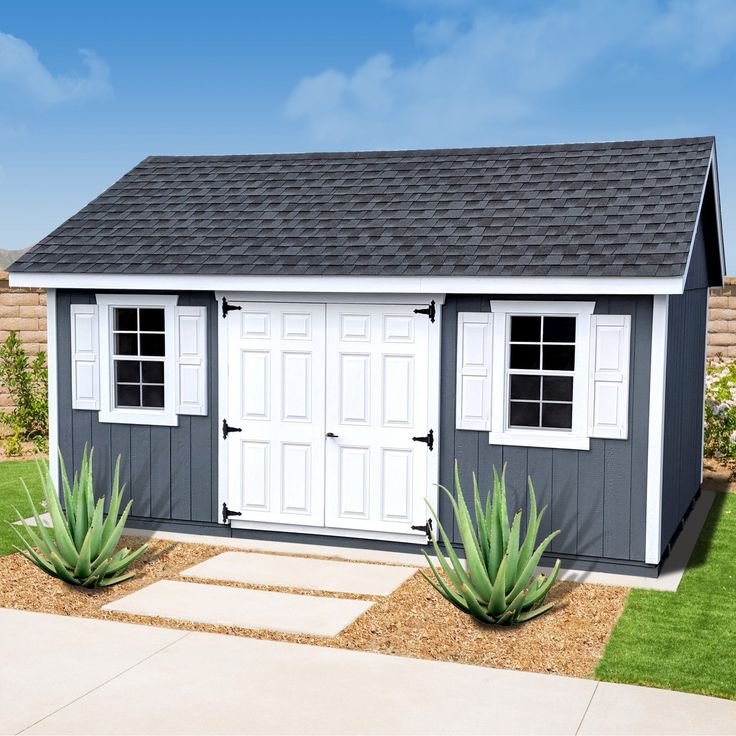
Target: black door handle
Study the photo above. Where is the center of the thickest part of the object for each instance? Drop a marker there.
(331, 434)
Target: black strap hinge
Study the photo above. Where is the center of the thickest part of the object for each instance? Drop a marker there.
(226, 429)
(426, 528)
(430, 311)
(428, 439)
(226, 513)
(228, 307)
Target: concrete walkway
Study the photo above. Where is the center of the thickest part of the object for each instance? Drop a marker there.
(66, 675)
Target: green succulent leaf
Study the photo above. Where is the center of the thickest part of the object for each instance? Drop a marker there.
(80, 547)
(497, 586)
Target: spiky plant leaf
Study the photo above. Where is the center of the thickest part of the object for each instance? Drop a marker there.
(497, 586)
(79, 548)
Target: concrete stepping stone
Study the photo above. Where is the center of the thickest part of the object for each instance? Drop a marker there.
(248, 609)
(302, 572)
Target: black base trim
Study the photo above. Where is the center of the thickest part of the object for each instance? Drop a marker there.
(569, 562)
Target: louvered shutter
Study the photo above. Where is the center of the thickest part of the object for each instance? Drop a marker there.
(191, 360)
(609, 376)
(473, 397)
(85, 355)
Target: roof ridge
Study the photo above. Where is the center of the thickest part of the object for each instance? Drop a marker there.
(426, 152)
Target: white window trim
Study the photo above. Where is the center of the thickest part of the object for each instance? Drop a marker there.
(167, 416)
(501, 433)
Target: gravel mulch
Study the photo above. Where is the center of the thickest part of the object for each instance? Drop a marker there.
(413, 621)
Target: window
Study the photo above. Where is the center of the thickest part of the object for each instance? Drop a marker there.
(540, 373)
(137, 358)
(139, 334)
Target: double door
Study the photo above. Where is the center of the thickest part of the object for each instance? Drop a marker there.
(332, 404)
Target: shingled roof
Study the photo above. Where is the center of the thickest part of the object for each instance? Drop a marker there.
(599, 209)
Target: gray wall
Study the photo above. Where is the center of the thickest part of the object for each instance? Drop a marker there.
(597, 497)
(171, 472)
(686, 338)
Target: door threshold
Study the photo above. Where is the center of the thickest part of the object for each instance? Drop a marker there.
(408, 537)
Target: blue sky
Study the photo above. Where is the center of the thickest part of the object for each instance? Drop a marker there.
(87, 89)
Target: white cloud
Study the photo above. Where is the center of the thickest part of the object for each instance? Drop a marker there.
(484, 69)
(21, 67)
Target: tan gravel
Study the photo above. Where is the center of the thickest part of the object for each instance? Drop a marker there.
(413, 621)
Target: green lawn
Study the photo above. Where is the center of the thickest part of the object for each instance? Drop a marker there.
(684, 640)
(12, 495)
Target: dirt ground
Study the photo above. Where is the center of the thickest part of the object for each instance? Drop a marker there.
(413, 621)
(719, 475)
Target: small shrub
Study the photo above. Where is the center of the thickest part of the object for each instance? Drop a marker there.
(498, 586)
(27, 383)
(720, 409)
(79, 548)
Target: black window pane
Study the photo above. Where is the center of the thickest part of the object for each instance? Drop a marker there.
(557, 416)
(153, 396)
(127, 371)
(152, 320)
(525, 387)
(525, 329)
(557, 388)
(152, 344)
(126, 319)
(127, 395)
(153, 372)
(523, 414)
(126, 344)
(559, 329)
(559, 358)
(524, 356)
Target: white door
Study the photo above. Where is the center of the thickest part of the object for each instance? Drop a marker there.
(377, 401)
(276, 362)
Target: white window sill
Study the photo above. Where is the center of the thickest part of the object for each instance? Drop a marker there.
(554, 440)
(146, 418)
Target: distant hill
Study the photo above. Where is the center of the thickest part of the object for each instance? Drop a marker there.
(8, 256)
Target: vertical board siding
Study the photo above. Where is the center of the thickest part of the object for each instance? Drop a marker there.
(169, 472)
(682, 462)
(597, 498)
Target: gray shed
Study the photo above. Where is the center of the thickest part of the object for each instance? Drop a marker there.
(304, 344)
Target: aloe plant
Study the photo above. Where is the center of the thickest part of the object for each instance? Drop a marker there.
(79, 547)
(498, 586)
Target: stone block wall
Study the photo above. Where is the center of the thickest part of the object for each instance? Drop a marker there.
(22, 310)
(722, 320)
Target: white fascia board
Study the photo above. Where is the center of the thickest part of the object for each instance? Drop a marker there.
(355, 284)
(712, 168)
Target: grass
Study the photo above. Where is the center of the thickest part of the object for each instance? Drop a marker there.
(684, 640)
(13, 496)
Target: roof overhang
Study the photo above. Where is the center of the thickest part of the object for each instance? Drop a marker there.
(519, 285)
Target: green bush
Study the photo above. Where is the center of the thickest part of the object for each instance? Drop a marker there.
(498, 586)
(27, 383)
(720, 409)
(79, 548)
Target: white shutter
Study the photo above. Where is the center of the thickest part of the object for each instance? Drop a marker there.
(609, 375)
(191, 360)
(85, 357)
(473, 397)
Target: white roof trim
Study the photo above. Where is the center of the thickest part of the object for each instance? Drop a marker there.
(349, 284)
(712, 167)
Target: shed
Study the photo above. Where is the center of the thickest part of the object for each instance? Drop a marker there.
(304, 344)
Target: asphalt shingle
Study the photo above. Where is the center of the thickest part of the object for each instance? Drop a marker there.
(614, 209)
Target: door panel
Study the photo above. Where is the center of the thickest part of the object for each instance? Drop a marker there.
(277, 381)
(376, 401)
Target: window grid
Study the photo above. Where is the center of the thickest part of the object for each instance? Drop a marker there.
(150, 392)
(539, 399)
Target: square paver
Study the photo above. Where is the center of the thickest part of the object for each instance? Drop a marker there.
(302, 572)
(248, 609)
